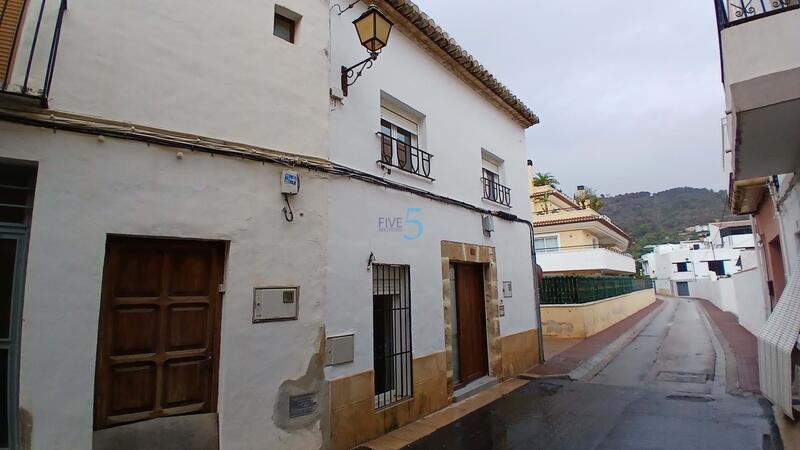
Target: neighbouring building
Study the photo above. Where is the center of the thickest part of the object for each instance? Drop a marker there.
(762, 156)
(571, 240)
(205, 241)
(429, 295)
(675, 268)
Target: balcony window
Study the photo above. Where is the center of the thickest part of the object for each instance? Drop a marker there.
(546, 244)
(400, 144)
(493, 190)
(682, 267)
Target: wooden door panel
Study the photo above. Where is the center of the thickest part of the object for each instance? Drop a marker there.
(134, 330)
(132, 388)
(139, 272)
(471, 311)
(186, 382)
(189, 273)
(183, 332)
(159, 329)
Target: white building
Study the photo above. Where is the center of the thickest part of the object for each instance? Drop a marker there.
(161, 286)
(425, 118)
(677, 267)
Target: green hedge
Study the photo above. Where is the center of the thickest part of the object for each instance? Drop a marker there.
(571, 290)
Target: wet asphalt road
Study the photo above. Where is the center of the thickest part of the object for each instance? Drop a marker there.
(665, 390)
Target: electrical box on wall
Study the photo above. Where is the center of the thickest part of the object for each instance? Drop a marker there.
(290, 182)
(339, 349)
(275, 303)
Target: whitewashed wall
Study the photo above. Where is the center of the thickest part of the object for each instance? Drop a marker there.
(458, 123)
(207, 68)
(87, 189)
(741, 294)
(353, 234)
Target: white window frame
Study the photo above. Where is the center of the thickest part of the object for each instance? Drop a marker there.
(547, 249)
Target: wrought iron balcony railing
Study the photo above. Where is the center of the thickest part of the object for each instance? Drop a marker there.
(496, 192)
(29, 34)
(404, 156)
(731, 12)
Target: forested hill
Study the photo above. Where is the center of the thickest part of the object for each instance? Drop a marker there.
(663, 217)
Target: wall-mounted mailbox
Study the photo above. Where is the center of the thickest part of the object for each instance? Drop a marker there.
(339, 349)
(275, 303)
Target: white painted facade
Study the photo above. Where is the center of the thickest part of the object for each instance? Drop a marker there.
(455, 124)
(205, 69)
(156, 65)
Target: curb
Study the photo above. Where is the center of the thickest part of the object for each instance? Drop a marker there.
(591, 366)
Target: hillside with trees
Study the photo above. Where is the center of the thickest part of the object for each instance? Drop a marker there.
(663, 217)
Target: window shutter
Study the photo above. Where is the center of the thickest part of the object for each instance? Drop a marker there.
(10, 15)
(399, 120)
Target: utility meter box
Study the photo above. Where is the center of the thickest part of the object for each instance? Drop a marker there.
(290, 182)
(275, 303)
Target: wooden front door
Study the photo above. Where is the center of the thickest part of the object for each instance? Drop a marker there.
(158, 346)
(471, 311)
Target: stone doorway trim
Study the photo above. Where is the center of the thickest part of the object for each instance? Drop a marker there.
(484, 255)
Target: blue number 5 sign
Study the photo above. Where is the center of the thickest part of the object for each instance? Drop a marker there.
(413, 222)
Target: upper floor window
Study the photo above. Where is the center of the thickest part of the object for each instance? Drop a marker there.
(400, 142)
(285, 23)
(493, 189)
(682, 267)
(546, 244)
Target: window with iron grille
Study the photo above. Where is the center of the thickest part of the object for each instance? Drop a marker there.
(391, 316)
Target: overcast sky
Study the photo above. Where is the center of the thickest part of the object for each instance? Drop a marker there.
(628, 93)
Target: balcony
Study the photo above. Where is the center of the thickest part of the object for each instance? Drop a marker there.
(496, 192)
(760, 47)
(29, 34)
(585, 260)
(404, 156)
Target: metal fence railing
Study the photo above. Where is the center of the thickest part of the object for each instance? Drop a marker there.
(575, 290)
(729, 12)
(33, 48)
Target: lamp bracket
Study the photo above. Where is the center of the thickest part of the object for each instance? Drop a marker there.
(353, 73)
(341, 11)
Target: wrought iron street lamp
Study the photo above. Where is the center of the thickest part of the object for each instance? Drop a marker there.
(373, 30)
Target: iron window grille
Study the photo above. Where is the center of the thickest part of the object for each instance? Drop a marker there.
(493, 190)
(399, 150)
(391, 300)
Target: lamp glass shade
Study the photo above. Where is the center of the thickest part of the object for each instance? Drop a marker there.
(373, 29)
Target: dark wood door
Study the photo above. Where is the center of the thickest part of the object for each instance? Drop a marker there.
(471, 312)
(158, 346)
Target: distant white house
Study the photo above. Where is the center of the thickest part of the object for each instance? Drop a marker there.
(677, 267)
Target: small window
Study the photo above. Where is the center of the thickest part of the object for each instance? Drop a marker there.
(391, 318)
(718, 267)
(682, 266)
(16, 193)
(285, 23)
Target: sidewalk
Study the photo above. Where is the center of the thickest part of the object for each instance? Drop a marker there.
(568, 361)
(415, 431)
(572, 354)
(741, 349)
